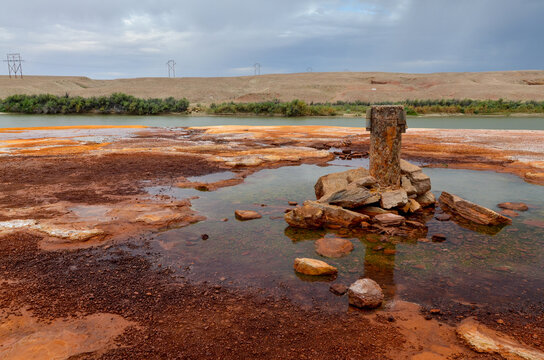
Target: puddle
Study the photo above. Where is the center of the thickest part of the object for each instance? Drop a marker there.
(468, 267)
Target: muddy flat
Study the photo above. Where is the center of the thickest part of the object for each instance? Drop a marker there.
(99, 260)
(310, 87)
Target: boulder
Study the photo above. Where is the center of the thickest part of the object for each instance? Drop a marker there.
(313, 267)
(365, 293)
(246, 215)
(514, 206)
(470, 211)
(316, 215)
(426, 200)
(333, 247)
(420, 181)
(389, 219)
(408, 168)
(393, 198)
(406, 184)
(485, 340)
(330, 183)
(352, 198)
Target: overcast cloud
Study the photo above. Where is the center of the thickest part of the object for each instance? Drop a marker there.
(111, 39)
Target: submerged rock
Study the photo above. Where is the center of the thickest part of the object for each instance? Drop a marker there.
(352, 198)
(331, 183)
(393, 198)
(365, 293)
(471, 211)
(309, 266)
(333, 247)
(519, 206)
(509, 213)
(338, 289)
(247, 215)
(316, 215)
(484, 340)
(389, 219)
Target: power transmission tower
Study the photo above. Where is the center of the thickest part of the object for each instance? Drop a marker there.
(171, 68)
(15, 65)
(257, 67)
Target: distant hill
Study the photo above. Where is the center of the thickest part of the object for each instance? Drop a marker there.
(310, 87)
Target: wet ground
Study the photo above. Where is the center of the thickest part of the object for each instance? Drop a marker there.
(172, 293)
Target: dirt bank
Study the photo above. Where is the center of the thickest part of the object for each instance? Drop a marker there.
(316, 87)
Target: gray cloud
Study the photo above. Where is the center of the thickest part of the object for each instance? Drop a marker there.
(106, 39)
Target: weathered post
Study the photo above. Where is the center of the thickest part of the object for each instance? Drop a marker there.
(386, 125)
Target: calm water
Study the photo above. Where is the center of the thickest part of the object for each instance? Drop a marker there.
(515, 123)
(468, 267)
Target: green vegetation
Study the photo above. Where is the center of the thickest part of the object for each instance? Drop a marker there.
(126, 104)
(115, 104)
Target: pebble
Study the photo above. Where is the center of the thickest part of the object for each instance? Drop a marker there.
(224, 219)
(205, 236)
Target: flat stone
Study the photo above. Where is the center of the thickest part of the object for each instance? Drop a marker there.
(408, 168)
(309, 266)
(334, 182)
(317, 215)
(393, 198)
(246, 215)
(333, 247)
(365, 293)
(471, 211)
(427, 199)
(485, 340)
(389, 219)
(352, 198)
(518, 206)
(442, 217)
(338, 289)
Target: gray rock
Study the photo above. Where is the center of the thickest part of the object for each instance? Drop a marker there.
(351, 198)
(393, 198)
(420, 181)
(389, 219)
(331, 183)
(406, 184)
(408, 168)
(366, 181)
(365, 293)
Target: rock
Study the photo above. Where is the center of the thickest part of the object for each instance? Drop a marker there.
(420, 181)
(408, 168)
(393, 198)
(411, 206)
(365, 293)
(352, 198)
(330, 183)
(426, 199)
(519, 206)
(442, 217)
(313, 267)
(389, 219)
(316, 215)
(470, 211)
(246, 215)
(333, 247)
(438, 238)
(204, 236)
(366, 181)
(389, 252)
(509, 213)
(373, 210)
(338, 289)
(415, 224)
(407, 185)
(293, 203)
(484, 340)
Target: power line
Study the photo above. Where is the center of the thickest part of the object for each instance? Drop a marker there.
(171, 68)
(15, 64)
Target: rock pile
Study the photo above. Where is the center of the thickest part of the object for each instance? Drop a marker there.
(353, 198)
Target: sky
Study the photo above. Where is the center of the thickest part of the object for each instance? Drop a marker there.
(135, 38)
